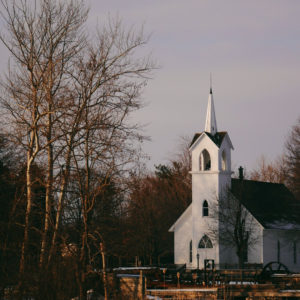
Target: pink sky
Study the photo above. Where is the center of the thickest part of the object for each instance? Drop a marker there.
(252, 49)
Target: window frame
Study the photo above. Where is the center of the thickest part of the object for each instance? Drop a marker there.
(204, 161)
(295, 252)
(224, 160)
(205, 243)
(205, 210)
(191, 252)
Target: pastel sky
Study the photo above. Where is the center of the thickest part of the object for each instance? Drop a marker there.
(252, 49)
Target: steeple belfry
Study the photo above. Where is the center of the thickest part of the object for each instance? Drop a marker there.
(211, 122)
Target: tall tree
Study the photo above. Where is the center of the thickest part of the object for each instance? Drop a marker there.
(292, 159)
(42, 39)
(107, 82)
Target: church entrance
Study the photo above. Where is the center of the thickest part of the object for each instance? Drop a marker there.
(205, 254)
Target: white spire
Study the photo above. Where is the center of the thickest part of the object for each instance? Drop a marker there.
(211, 122)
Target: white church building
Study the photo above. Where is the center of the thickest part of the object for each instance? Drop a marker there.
(272, 211)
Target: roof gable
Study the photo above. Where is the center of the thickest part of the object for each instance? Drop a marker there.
(217, 138)
(227, 138)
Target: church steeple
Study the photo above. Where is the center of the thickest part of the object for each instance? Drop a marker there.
(211, 122)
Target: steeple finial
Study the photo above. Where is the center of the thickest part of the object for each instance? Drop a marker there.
(211, 122)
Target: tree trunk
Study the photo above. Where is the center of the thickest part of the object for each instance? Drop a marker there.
(27, 222)
(59, 210)
(48, 202)
(102, 251)
(82, 287)
(80, 280)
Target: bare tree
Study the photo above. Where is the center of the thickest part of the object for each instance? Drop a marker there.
(285, 168)
(292, 159)
(109, 83)
(42, 38)
(235, 226)
(64, 41)
(270, 171)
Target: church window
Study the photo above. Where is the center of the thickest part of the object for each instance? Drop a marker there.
(205, 209)
(204, 161)
(245, 250)
(224, 161)
(295, 251)
(278, 251)
(191, 251)
(205, 242)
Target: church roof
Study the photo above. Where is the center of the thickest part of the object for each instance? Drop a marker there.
(217, 138)
(186, 214)
(272, 204)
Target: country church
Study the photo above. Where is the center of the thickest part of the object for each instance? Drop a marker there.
(271, 221)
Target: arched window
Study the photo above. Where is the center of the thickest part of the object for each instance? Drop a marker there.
(245, 250)
(191, 251)
(224, 161)
(204, 161)
(205, 209)
(205, 242)
(295, 251)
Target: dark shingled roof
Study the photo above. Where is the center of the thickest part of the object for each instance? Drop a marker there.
(217, 138)
(272, 204)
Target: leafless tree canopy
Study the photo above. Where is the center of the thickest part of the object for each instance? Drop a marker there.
(284, 169)
(235, 225)
(270, 171)
(292, 159)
